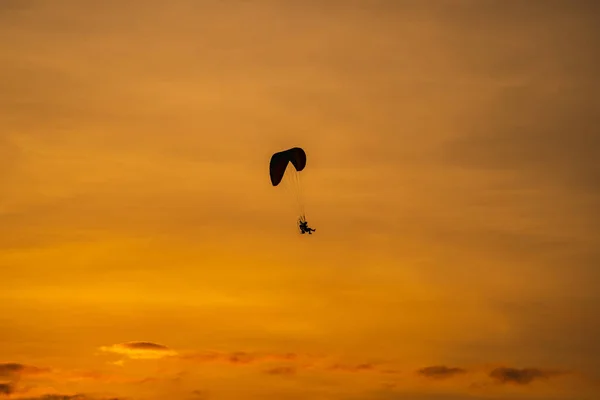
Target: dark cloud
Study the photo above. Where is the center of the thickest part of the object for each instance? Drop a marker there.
(10, 370)
(240, 357)
(367, 367)
(144, 346)
(286, 371)
(520, 376)
(64, 397)
(22, 378)
(353, 368)
(412, 395)
(70, 397)
(298, 361)
(6, 389)
(59, 397)
(17, 373)
(440, 372)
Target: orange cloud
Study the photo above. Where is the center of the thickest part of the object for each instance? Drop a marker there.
(140, 350)
(29, 382)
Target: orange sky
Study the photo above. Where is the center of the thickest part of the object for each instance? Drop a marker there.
(452, 176)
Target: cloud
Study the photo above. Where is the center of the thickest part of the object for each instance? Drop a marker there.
(281, 371)
(59, 397)
(200, 395)
(12, 370)
(13, 373)
(300, 361)
(140, 350)
(525, 376)
(241, 357)
(148, 350)
(287, 363)
(6, 389)
(70, 397)
(7, 369)
(96, 376)
(440, 372)
(145, 346)
(290, 363)
(353, 368)
(38, 383)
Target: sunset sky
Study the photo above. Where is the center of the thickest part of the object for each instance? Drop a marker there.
(453, 177)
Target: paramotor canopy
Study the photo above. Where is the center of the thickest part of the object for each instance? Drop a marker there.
(281, 171)
(280, 161)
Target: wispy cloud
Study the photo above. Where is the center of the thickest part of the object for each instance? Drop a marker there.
(293, 362)
(12, 370)
(69, 397)
(29, 382)
(353, 368)
(440, 372)
(281, 371)
(367, 367)
(525, 376)
(140, 350)
(241, 357)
